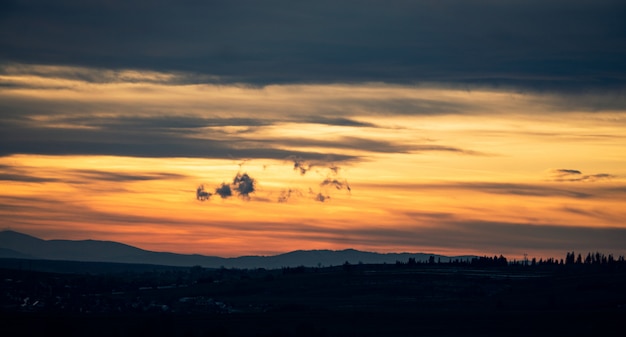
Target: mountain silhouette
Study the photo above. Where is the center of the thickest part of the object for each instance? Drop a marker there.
(22, 246)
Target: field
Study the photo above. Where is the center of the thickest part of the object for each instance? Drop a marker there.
(349, 300)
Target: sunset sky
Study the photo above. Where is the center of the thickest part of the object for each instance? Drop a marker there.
(451, 127)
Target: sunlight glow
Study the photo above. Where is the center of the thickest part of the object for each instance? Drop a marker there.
(420, 162)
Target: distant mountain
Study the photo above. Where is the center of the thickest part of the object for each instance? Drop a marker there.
(11, 254)
(22, 246)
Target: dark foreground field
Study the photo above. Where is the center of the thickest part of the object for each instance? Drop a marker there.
(352, 300)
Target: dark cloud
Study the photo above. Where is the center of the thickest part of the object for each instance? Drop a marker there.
(224, 191)
(339, 185)
(202, 194)
(244, 185)
(120, 140)
(287, 194)
(333, 179)
(565, 175)
(567, 171)
(327, 169)
(320, 197)
(333, 182)
(530, 44)
(300, 165)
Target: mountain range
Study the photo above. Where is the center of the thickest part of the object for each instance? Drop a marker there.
(17, 245)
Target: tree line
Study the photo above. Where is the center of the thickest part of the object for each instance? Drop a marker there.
(571, 258)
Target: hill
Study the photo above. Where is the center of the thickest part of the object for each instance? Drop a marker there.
(18, 245)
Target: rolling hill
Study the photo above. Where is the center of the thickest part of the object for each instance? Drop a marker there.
(18, 245)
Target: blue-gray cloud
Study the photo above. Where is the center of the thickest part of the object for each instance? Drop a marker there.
(244, 185)
(531, 44)
(20, 138)
(224, 191)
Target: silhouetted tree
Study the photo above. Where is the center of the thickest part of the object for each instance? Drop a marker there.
(588, 259)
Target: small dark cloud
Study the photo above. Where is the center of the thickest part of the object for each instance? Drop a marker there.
(321, 198)
(334, 182)
(333, 179)
(300, 165)
(224, 191)
(201, 194)
(566, 172)
(244, 185)
(286, 195)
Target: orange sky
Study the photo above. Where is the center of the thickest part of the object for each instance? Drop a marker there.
(429, 168)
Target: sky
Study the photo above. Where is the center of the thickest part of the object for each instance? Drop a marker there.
(235, 128)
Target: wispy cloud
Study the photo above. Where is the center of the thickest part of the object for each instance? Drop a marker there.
(514, 189)
(25, 178)
(576, 175)
(120, 177)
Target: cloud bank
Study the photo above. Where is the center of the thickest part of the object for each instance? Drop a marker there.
(555, 44)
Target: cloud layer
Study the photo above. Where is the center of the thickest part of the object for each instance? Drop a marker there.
(390, 126)
(559, 45)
